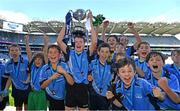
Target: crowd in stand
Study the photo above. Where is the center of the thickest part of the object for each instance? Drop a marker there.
(104, 76)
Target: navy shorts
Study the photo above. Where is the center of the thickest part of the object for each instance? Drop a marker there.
(20, 96)
(98, 102)
(77, 95)
(55, 104)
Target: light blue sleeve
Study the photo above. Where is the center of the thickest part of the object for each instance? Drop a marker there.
(65, 67)
(43, 74)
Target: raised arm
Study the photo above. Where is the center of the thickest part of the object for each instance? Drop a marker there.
(105, 25)
(46, 39)
(93, 35)
(136, 34)
(28, 49)
(60, 42)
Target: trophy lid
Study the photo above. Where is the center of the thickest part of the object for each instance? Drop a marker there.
(79, 14)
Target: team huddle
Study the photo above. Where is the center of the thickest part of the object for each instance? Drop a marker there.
(103, 76)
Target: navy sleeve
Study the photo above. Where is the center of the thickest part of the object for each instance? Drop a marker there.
(66, 55)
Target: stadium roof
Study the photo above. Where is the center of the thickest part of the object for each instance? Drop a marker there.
(159, 28)
(120, 27)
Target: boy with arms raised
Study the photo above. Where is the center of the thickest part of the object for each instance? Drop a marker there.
(77, 59)
(36, 97)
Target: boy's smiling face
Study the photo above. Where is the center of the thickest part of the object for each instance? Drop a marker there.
(79, 44)
(112, 42)
(126, 74)
(38, 62)
(104, 54)
(143, 50)
(14, 52)
(156, 63)
(53, 55)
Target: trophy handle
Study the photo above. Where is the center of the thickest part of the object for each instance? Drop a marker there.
(71, 11)
(88, 10)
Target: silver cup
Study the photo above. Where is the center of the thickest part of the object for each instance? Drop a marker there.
(79, 14)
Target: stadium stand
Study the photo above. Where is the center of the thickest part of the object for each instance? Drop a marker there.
(155, 34)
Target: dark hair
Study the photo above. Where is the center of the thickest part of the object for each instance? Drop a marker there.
(153, 53)
(79, 32)
(103, 45)
(114, 36)
(126, 61)
(99, 42)
(14, 45)
(55, 46)
(145, 43)
(80, 37)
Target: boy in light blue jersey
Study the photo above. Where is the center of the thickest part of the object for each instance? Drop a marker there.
(143, 50)
(78, 61)
(36, 97)
(17, 70)
(100, 75)
(53, 78)
(165, 80)
(134, 91)
(4, 98)
(175, 67)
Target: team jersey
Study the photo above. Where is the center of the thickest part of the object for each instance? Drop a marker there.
(18, 72)
(101, 76)
(55, 89)
(135, 97)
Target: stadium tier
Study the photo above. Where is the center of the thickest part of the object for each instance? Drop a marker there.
(152, 33)
(160, 43)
